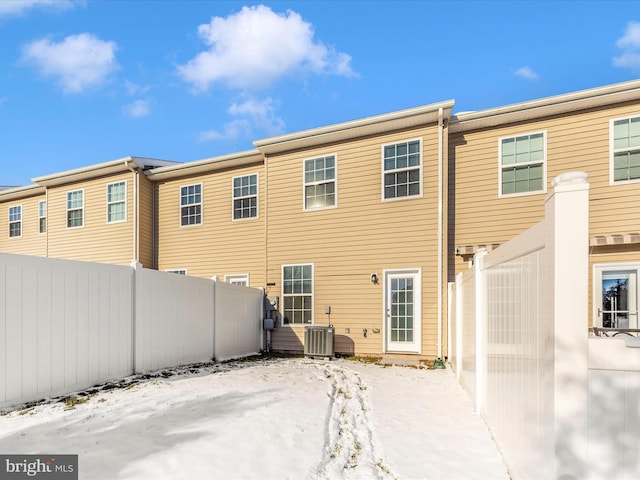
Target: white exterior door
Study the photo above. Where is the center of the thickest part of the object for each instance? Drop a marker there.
(402, 311)
(615, 295)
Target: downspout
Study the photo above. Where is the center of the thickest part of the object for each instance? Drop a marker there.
(440, 226)
(46, 227)
(134, 170)
(266, 223)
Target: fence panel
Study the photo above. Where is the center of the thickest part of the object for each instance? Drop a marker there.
(52, 325)
(174, 320)
(238, 321)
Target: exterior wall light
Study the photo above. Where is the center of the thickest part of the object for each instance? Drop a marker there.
(374, 278)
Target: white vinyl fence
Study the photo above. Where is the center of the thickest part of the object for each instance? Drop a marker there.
(67, 325)
(521, 339)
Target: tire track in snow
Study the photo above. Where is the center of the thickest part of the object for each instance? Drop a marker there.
(350, 449)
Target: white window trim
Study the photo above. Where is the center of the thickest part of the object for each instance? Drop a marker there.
(596, 273)
(313, 295)
(248, 196)
(177, 271)
(407, 197)
(201, 205)
(237, 276)
(11, 222)
(112, 203)
(544, 165)
(67, 210)
(40, 217)
(304, 183)
(612, 182)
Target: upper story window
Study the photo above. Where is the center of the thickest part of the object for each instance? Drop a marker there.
(177, 271)
(15, 221)
(117, 202)
(238, 279)
(402, 169)
(191, 204)
(522, 164)
(297, 293)
(75, 208)
(625, 151)
(320, 182)
(42, 216)
(245, 197)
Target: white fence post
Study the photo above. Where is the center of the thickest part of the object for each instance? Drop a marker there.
(481, 331)
(459, 325)
(567, 214)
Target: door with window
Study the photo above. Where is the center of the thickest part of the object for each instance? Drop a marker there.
(616, 295)
(402, 311)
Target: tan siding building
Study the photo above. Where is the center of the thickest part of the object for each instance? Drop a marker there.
(19, 221)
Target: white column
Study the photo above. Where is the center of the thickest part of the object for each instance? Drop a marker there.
(567, 245)
(481, 331)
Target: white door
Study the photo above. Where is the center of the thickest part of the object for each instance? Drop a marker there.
(402, 311)
(616, 295)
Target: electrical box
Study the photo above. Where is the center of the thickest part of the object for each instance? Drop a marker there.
(273, 301)
(327, 309)
(269, 324)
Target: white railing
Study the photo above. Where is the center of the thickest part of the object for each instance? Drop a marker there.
(68, 325)
(521, 338)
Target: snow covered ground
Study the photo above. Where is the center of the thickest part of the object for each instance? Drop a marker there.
(269, 419)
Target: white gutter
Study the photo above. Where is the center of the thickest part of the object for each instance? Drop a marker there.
(440, 225)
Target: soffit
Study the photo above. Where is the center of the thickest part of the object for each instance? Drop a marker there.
(206, 165)
(15, 193)
(557, 105)
(375, 125)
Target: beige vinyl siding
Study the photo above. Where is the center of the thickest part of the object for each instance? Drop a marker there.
(575, 142)
(145, 222)
(96, 240)
(219, 246)
(31, 241)
(363, 235)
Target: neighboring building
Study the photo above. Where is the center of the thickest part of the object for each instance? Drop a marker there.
(362, 224)
(101, 213)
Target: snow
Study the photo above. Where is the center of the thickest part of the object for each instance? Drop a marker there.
(289, 418)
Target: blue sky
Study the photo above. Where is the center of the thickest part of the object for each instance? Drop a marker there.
(85, 82)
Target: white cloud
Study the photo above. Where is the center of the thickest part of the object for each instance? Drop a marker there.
(18, 7)
(256, 46)
(78, 61)
(135, 89)
(255, 116)
(526, 72)
(629, 43)
(137, 109)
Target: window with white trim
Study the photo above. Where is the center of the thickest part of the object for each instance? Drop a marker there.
(245, 197)
(191, 205)
(15, 221)
(75, 208)
(402, 169)
(177, 271)
(522, 164)
(297, 294)
(238, 279)
(117, 202)
(625, 150)
(320, 182)
(42, 216)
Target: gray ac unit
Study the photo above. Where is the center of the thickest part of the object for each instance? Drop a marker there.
(318, 341)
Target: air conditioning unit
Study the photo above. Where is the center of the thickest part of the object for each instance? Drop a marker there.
(318, 341)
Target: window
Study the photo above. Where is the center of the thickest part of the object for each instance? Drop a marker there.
(239, 279)
(75, 209)
(42, 216)
(177, 271)
(625, 162)
(522, 164)
(320, 182)
(297, 293)
(191, 205)
(402, 165)
(245, 197)
(116, 202)
(15, 221)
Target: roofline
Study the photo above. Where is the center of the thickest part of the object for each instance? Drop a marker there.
(530, 110)
(356, 128)
(21, 192)
(92, 171)
(247, 157)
